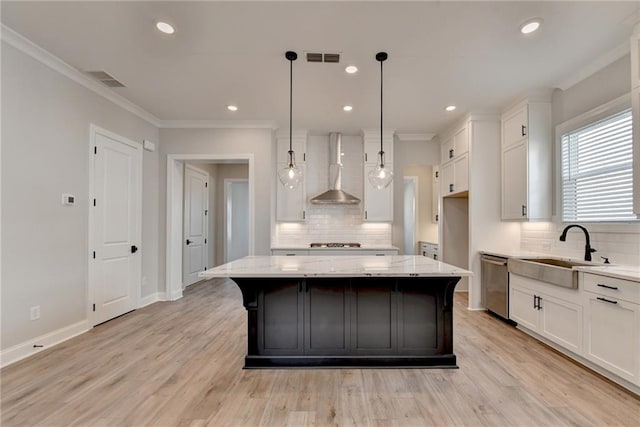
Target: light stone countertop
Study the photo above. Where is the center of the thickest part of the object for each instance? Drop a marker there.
(625, 272)
(335, 266)
(361, 248)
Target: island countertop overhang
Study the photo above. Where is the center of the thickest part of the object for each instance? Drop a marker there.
(335, 266)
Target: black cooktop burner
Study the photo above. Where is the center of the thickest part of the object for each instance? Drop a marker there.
(335, 245)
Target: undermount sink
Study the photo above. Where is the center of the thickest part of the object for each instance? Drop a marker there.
(558, 272)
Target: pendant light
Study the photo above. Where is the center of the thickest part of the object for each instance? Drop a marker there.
(290, 176)
(380, 176)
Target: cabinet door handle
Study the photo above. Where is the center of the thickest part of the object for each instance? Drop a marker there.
(535, 301)
(365, 214)
(451, 153)
(607, 300)
(436, 217)
(608, 287)
(188, 242)
(365, 157)
(524, 210)
(304, 215)
(450, 188)
(524, 130)
(134, 249)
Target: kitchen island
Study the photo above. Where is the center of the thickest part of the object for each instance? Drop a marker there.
(346, 311)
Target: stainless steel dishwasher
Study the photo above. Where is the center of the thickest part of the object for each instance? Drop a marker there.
(495, 282)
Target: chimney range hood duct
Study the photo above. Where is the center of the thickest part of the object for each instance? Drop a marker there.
(335, 195)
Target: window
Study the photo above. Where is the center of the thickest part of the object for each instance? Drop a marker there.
(597, 182)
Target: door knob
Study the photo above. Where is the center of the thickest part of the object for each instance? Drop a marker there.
(188, 242)
(134, 249)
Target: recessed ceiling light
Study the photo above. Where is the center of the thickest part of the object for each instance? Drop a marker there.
(165, 28)
(531, 25)
(232, 108)
(450, 107)
(351, 69)
(347, 108)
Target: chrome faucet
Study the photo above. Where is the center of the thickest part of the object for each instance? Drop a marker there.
(587, 248)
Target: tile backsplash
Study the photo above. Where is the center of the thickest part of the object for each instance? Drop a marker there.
(619, 242)
(333, 223)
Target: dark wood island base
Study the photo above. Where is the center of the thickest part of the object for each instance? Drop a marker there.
(349, 322)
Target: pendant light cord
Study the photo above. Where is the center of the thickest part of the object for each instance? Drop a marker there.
(381, 104)
(291, 112)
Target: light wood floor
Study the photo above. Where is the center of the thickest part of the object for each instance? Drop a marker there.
(180, 363)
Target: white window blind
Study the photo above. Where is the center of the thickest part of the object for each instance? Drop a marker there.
(597, 171)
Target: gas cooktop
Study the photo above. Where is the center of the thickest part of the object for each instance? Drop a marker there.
(335, 245)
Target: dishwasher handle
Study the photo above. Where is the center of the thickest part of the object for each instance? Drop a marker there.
(491, 261)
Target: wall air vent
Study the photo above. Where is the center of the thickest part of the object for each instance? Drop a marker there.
(323, 57)
(105, 78)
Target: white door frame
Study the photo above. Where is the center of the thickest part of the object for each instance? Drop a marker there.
(175, 190)
(226, 201)
(206, 219)
(93, 130)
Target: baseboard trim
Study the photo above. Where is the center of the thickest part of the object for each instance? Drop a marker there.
(149, 299)
(26, 349)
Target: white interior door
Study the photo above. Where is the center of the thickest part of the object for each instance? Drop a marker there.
(236, 219)
(196, 202)
(115, 225)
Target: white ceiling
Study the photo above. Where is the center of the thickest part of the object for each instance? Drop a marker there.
(466, 53)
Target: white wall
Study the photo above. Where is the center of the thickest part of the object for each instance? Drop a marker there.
(45, 143)
(222, 141)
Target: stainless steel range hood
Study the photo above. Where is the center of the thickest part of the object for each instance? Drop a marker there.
(335, 195)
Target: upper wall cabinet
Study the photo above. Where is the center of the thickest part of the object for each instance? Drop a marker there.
(527, 162)
(378, 204)
(290, 203)
(455, 145)
(635, 105)
(454, 170)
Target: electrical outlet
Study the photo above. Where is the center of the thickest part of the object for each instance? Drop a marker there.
(35, 312)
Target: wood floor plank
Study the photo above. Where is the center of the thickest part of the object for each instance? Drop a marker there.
(180, 364)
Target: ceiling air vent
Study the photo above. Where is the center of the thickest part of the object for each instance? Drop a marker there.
(105, 78)
(332, 57)
(314, 57)
(323, 57)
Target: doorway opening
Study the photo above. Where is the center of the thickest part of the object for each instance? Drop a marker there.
(219, 167)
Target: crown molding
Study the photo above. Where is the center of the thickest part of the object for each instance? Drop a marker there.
(27, 47)
(595, 66)
(217, 124)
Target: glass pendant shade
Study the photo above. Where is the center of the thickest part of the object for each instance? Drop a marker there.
(290, 176)
(380, 177)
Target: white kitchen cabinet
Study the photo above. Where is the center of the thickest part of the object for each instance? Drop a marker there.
(635, 58)
(455, 145)
(455, 176)
(435, 194)
(612, 325)
(377, 204)
(527, 162)
(550, 311)
(291, 203)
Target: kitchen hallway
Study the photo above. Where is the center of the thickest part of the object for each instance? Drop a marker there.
(180, 363)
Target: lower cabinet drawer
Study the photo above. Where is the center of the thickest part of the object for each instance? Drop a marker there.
(625, 290)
